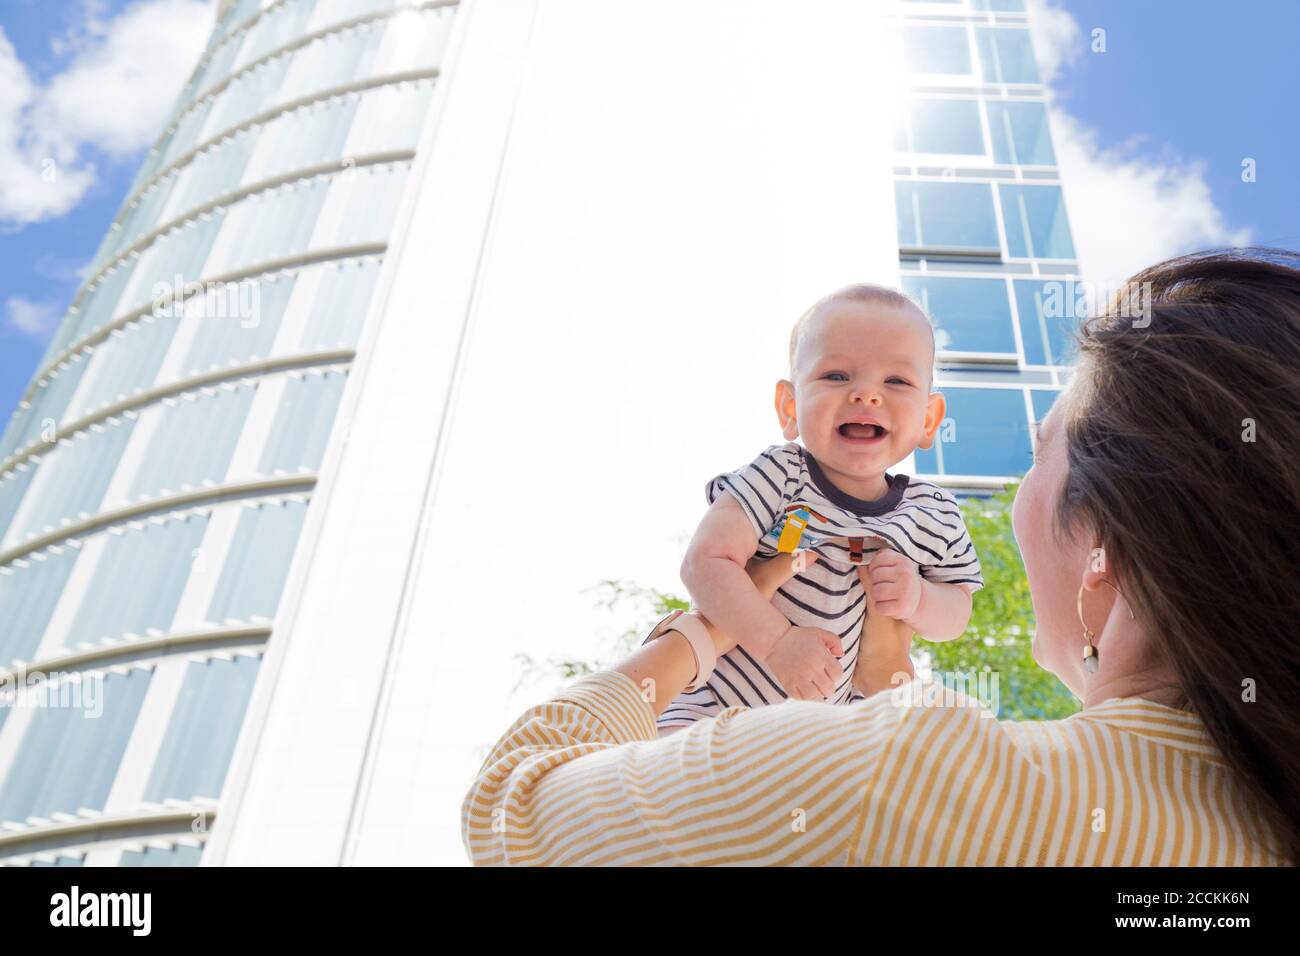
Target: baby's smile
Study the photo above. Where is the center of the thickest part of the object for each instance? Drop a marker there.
(862, 390)
(863, 430)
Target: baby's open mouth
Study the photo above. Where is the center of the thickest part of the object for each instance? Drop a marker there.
(859, 430)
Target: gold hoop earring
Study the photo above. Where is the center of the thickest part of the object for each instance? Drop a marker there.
(1090, 660)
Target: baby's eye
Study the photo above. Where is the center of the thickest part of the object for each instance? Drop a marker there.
(900, 381)
(829, 374)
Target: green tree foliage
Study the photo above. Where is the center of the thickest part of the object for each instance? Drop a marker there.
(997, 640)
(1000, 633)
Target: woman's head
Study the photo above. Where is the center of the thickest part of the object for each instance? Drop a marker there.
(1176, 451)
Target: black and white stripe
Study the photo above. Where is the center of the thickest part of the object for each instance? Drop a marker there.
(925, 524)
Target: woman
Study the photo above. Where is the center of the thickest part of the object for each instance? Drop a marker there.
(1160, 530)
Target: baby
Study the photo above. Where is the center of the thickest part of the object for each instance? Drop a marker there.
(861, 363)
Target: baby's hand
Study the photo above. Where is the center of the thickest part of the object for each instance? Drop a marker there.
(895, 584)
(804, 661)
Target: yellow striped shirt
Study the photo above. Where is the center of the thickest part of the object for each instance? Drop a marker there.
(584, 779)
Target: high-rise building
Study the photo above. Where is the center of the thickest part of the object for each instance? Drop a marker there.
(984, 242)
(274, 537)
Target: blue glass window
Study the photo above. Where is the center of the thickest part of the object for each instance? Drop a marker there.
(127, 362)
(950, 215)
(247, 330)
(1049, 313)
(193, 441)
(49, 403)
(73, 746)
(370, 206)
(98, 306)
(988, 435)
(1035, 222)
(200, 740)
(12, 488)
(178, 855)
(999, 6)
(1019, 133)
(1043, 400)
(139, 579)
(258, 562)
(1007, 55)
(969, 315)
(74, 476)
(340, 304)
(936, 49)
(278, 223)
(303, 422)
(29, 592)
(945, 126)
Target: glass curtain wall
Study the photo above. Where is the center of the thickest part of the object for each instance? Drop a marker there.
(155, 479)
(984, 240)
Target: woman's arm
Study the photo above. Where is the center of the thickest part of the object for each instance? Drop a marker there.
(884, 660)
(584, 779)
(663, 668)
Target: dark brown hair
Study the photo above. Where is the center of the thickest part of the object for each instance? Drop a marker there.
(1183, 445)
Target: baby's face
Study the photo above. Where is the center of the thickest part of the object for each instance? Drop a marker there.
(859, 361)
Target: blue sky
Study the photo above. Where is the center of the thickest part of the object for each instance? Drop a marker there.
(1151, 133)
(1211, 82)
(89, 82)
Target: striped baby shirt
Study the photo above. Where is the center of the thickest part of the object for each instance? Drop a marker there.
(785, 484)
(582, 779)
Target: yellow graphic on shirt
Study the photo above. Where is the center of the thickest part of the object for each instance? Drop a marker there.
(795, 523)
(797, 517)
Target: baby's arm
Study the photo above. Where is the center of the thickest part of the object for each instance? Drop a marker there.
(936, 611)
(713, 571)
(802, 659)
(943, 611)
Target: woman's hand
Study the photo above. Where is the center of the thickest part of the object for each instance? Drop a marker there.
(886, 646)
(663, 667)
(768, 574)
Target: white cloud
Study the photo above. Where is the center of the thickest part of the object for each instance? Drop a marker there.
(1128, 212)
(92, 24)
(34, 319)
(1128, 209)
(1057, 41)
(121, 80)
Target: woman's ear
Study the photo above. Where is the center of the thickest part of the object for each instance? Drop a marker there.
(935, 409)
(785, 410)
(1095, 571)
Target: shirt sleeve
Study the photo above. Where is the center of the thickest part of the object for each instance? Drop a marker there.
(764, 487)
(583, 779)
(960, 564)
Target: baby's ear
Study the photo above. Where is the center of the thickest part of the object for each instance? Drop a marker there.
(935, 409)
(785, 409)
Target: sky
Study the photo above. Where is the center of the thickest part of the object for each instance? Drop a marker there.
(1154, 114)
